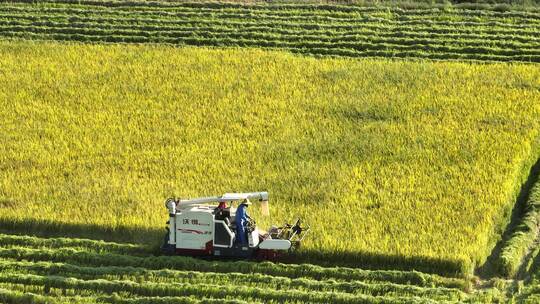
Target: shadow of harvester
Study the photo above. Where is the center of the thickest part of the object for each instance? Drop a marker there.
(124, 234)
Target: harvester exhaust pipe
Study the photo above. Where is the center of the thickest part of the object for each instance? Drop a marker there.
(171, 206)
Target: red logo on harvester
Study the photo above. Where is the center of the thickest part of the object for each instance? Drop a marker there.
(191, 231)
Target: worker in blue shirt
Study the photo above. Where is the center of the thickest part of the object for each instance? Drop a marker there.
(242, 219)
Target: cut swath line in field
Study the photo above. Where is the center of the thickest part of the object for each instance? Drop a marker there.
(311, 18)
(166, 276)
(206, 290)
(291, 271)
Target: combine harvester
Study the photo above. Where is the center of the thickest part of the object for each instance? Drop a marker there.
(196, 227)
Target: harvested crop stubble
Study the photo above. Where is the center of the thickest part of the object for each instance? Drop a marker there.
(292, 271)
(230, 279)
(70, 271)
(9, 296)
(207, 290)
(524, 236)
(530, 292)
(401, 164)
(372, 30)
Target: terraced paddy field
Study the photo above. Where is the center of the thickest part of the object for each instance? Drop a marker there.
(419, 178)
(462, 31)
(403, 165)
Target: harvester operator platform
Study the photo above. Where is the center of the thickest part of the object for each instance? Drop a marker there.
(242, 219)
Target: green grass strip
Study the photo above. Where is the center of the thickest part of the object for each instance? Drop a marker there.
(523, 235)
(70, 255)
(202, 290)
(231, 278)
(9, 296)
(17, 297)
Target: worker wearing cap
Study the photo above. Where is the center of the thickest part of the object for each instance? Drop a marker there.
(241, 221)
(221, 206)
(220, 212)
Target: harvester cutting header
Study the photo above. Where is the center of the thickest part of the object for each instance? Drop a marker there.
(197, 227)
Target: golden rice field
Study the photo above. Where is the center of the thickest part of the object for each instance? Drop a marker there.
(397, 162)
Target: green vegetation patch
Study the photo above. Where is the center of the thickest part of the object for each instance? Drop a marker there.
(394, 164)
(524, 236)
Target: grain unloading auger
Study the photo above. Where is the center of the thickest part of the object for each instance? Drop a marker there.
(197, 227)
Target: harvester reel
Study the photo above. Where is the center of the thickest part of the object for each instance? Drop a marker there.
(294, 233)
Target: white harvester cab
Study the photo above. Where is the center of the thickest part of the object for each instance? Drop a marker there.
(198, 227)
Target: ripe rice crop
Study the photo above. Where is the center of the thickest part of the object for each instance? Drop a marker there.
(394, 164)
(437, 32)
